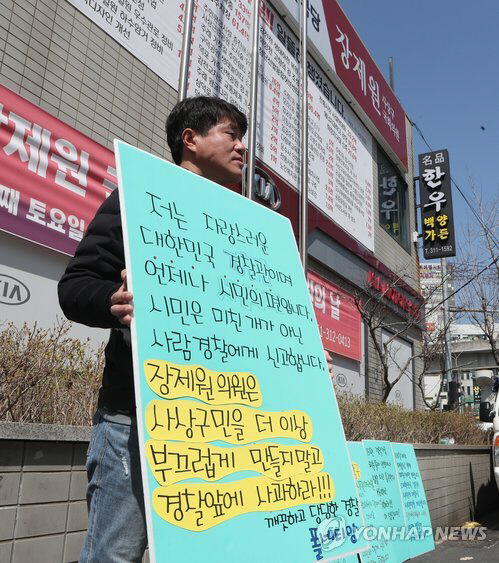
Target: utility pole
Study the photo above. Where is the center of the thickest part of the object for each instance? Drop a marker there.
(390, 72)
(452, 386)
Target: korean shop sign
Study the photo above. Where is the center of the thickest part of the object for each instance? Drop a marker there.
(436, 205)
(52, 177)
(337, 317)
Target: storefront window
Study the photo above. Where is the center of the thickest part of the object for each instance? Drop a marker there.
(393, 212)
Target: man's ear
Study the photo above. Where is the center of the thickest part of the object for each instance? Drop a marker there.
(189, 139)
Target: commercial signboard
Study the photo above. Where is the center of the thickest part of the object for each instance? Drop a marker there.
(393, 292)
(437, 217)
(150, 29)
(392, 197)
(340, 147)
(337, 41)
(337, 316)
(28, 289)
(232, 466)
(52, 177)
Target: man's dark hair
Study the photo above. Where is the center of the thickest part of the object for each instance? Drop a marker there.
(199, 114)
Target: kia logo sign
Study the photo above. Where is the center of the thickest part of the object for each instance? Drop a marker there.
(341, 380)
(265, 188)
(12, 291)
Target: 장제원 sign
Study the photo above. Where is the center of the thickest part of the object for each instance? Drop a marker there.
(52, 177)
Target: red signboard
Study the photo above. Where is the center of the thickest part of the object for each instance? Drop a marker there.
(394, 295)
(359, 73)
(52, 178)
(337, 316)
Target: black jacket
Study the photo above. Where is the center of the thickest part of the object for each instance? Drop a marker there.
(85, 290)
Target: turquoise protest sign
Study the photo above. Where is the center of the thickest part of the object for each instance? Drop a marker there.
(382, 463)
(417, 515)
(372, 502)
(243, 452)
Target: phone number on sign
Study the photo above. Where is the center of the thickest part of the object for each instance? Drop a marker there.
(336, 337)
(448, 248)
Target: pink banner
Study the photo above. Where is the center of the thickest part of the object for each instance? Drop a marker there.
(337, 316)
(361, 76)
(52, 178)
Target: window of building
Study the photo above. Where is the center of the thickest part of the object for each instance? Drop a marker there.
(393, 204)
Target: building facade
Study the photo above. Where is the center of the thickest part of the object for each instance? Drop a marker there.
(85, 72)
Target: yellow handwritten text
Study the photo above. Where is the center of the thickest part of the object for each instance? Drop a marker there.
(171, 462)
(200, 506)
(173, 381)
(356, 470)
(194, 422)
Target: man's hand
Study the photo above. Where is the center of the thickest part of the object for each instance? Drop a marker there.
(121, 302)
(329, 359)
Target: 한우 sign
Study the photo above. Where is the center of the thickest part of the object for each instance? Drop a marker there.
(435, 194)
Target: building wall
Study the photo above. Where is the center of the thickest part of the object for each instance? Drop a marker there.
(404, 263)
(458, 482)
(58, 59)
(43, 512)
(372, 364)
(43, 515)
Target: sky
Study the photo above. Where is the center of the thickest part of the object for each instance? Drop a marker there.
(446, 76)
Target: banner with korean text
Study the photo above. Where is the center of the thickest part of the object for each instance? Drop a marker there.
(52, 177)
(337, 316)
(149, 29)
(243, 451)
(338, 43)
(437, 216)
(340, 148)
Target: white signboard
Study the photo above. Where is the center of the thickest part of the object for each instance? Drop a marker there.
(340, 147)
(340, 167)
(317, 30)
(220, 56)
(150, 29)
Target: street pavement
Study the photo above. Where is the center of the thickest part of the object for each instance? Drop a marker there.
(485, 550)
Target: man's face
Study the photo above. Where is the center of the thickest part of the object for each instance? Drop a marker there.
(219, 153)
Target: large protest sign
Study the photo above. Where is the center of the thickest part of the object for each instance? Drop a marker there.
(417, 514)
(243, 452)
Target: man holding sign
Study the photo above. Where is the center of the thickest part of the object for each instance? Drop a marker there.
(204, 135)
